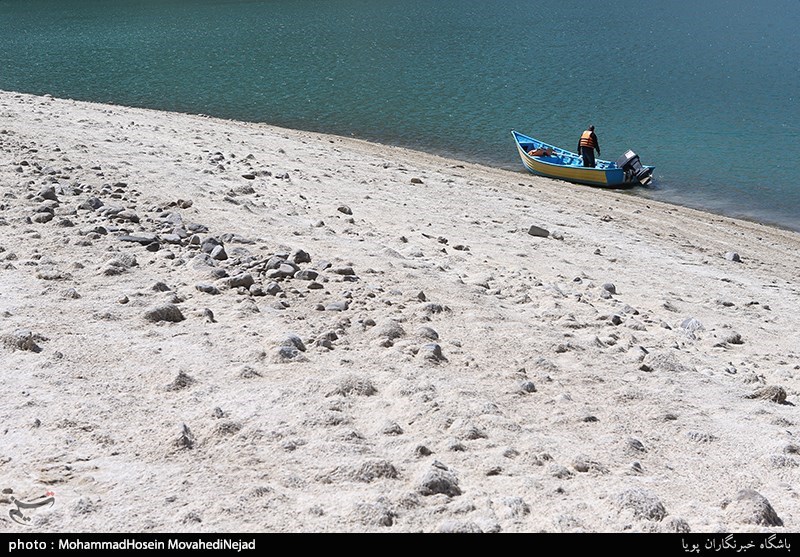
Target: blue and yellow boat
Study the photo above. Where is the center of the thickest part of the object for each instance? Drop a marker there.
(543, 159)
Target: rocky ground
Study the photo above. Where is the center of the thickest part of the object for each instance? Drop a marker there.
(215, 326)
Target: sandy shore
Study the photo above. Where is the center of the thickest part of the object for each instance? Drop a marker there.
(215, 326)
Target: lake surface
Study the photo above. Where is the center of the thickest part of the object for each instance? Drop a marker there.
(708, 92)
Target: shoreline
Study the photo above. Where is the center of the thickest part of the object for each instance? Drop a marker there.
(511, 169)
(265, 329)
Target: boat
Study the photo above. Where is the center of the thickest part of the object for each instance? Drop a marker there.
(553, 162)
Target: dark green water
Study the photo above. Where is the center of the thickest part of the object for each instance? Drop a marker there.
(706, 91)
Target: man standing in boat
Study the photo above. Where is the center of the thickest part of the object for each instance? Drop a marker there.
(586, 146)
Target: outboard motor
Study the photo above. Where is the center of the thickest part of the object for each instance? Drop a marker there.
(629, 162)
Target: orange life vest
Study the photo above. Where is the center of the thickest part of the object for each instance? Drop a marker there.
(586, 140)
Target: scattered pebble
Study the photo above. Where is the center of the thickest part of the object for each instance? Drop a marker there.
(186, 438)
(527, 386)
(643, 504)
(164, 312)
(181, 381)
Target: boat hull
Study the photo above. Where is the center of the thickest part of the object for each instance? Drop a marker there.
(567, 166)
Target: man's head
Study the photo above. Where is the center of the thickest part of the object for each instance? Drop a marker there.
(591, 128)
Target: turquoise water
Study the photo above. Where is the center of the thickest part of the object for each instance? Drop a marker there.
(708, 92)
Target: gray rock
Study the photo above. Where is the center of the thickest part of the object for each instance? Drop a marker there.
(432, 352)
(690, 324)
(642, 503)
(345, 209)
(91, 204)
(71, 293)
(48, 273)
(439, 480)
(181, 381)
(160, 287)
(292, 339)
(733, 256)
(119, 264)
(750, 507)
(675, 525)
(219, 253)
(560, 472)
(198, 228)
(47, 207)
(276, 261)
(127, 215)
(343, 271)
(186, 438)
(208, 245)
(341, 305)
(256, 290)
(733, 338)
(42, 218)
(143, 238)
(171, 238)
(306, 274)
(391, 428)
(610, 288)
(527, 386)
(390, 330)
(288, 353)
(428, 333)
(273, 288)
(48, 192)
(174, 219)
(243, 279)
(539, 232)
(432, 308)
(284, 270)
(108, 211)
(299, 256)
(207, 288)
(164, 312)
